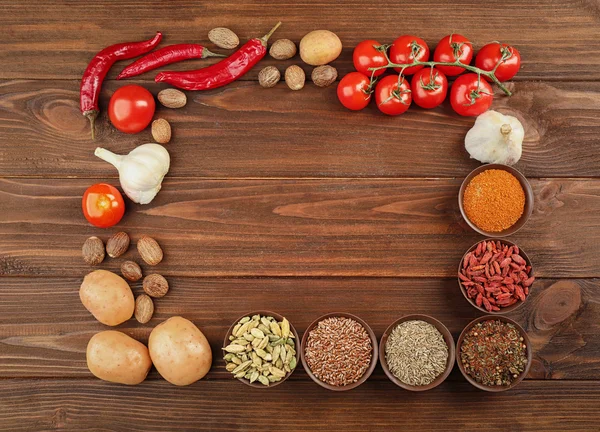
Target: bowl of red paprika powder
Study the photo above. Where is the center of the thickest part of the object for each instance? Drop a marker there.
(494, 353)
(495, 200)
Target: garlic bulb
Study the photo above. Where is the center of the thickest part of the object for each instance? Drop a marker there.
(495, 138)
(141, 172)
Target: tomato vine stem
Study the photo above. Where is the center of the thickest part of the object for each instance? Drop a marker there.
(490, 74)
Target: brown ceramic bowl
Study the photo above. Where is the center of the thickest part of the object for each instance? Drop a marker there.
(278, 318)
(449, 342)
(486, 387)
(369, 370)
(528, 199)
(502, 310)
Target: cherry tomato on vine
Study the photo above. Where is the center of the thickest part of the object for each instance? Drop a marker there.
(392, 99)
(407, 49)
(131, 108)
(470, 95)
(353, 91)
(366, 55)
(429, 87)
(451, 48)
(103, 205)
(489, 55)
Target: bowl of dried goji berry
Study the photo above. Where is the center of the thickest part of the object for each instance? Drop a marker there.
(495, 276)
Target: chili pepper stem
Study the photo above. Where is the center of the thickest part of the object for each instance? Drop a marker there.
(91, 116)
(207, 53)
(265, 38)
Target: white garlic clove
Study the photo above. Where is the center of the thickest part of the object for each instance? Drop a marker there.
(495, 138)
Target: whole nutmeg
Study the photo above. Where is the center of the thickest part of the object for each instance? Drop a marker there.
(155, 285)
(150, 250)
(294, 77)
(161, 131)
(283, 49)
(324, 76)
(93, 251)
(144, 308)
(117, 244)
(269, 76)
(172, 98)
(223, 38)
(131, 271)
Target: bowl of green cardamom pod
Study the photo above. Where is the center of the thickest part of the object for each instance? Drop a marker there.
(261, 349)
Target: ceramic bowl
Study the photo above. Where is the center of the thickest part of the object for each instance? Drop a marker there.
(447, 338)
(504, 310)
(369, 370)
(279, 318)
(528, 199)
(486, 387)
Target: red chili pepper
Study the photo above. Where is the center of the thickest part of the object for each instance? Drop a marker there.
(94, 74)
(223, 72)
(164, 56)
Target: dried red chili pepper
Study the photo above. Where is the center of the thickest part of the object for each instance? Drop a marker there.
(223, 72)
(164, 56)
(94, 74)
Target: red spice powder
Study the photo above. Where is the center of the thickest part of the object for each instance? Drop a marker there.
(494, 200)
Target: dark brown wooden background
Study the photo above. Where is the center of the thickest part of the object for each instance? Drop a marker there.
(285, 201)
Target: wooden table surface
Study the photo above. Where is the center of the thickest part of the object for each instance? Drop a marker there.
(285, 201)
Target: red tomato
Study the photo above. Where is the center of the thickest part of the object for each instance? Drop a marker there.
(407, 49)
(131, 108)
(471, 96)
(451, 48)
(392, 99)
(366, 56)
(103, 205)
(353, 91)
(489, 56)
(429, 87)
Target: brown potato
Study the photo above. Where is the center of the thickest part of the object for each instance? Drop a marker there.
(113, 356)
(320, 47)
(107, 296)
(180, 351)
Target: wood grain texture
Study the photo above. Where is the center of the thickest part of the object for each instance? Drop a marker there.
(86, 405)
(555, 38)
(296, 227)
(295, 134)
(44, 328)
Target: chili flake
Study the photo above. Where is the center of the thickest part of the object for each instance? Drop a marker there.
(493, 353)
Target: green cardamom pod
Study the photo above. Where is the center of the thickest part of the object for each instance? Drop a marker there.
(254, 376)
(243, 329)
(292, 363)
(263, 380)
(242, 367)
(235, 348)
(276, 352)
(230, 367)
(245, 320)
(275, 328)
(257, 333)
(285, 328)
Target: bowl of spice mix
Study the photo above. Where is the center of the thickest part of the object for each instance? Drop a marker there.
(339, 351)
(493, 353)
(261, 349)
(417, 352)
(495, 276)
(495, 200)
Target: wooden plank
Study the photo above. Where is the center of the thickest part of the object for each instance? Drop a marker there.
(243, 130)
(83, 405)
(342, 227)
(44, 329)
(557, 39)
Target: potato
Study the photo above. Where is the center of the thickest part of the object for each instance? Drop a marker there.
(179, 351)
(320, 47)
(113, 356)
(107, 296)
